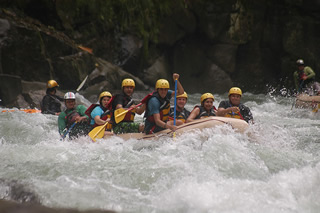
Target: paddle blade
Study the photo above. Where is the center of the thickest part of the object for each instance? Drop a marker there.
(316, 108)
(87, 49)
(82, 83)
(97, 132)
(119, 114)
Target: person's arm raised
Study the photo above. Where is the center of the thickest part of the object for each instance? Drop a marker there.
(179, 86)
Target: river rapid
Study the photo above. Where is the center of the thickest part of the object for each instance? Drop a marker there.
(273, 167)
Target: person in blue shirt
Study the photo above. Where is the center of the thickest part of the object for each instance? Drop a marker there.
(158, 106)
(100, 114)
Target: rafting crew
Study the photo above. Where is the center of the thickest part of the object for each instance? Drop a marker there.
(158, 106)
(124, 101)
(51, 103)
(73, 120)
(304, 79)
(181, 112)
(205, 109)
(233, 108)
(99, 114)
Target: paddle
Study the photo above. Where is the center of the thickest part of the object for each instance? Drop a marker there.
(67, 132)
(82, 83)
(98, 132)
(299, 89)
(316, 108)
(87, 49)
(175, 105)
(119, 114)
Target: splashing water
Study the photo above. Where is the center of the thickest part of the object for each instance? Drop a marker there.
(274, 167)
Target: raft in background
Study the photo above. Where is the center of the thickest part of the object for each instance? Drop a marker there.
(23, 110)
(237, 124)
(308, 102)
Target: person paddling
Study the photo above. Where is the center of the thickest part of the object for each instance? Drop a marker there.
(51, 103)
(99, 114)
(73, 115)
(233, 108)
(125, 101)
(181, 112)
(158, 106)
(304, 79)
(206, 109)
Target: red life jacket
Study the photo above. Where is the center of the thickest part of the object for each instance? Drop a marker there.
(104, 116)
(90, 109)
(71, 118)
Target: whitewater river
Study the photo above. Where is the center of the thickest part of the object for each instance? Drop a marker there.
(275, 167)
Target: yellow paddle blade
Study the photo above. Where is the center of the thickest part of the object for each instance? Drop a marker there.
(97, 132)
(316, 108)
(119, 114)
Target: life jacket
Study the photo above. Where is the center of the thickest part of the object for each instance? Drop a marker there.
(164, 110)
(90, 109)
(52, 104)
(71, 117)
(234, 114)
(104, 116)
(183, 115)
(126, 103)
(203, 113)
(302, 82)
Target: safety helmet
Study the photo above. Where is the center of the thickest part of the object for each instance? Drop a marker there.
(128, 82)
(162, 83)
(235, 90)
(184, 95)
(300, 62)
(104, 94)
(69, 95)
(51, 84)
(206, 96)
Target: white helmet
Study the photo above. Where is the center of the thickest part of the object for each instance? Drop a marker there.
(69, 95)
(300, 62)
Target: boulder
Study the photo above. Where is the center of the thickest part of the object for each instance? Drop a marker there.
(109, 77)
(224, 55)
(10, 88)
(160, 69)
(198, 73)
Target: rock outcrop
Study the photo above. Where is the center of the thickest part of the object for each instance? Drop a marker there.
(213, 45)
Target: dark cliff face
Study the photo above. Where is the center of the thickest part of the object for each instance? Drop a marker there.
(213, 45)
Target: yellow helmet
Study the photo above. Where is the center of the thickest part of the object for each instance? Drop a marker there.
(128, 82)
(235, 90)
(206, 96)
(162, 83)
(104, 94)
(51, 84)
(184, 95)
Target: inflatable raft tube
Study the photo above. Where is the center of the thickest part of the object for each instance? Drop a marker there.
(307, 101)
(237, 124)
(23, 110)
